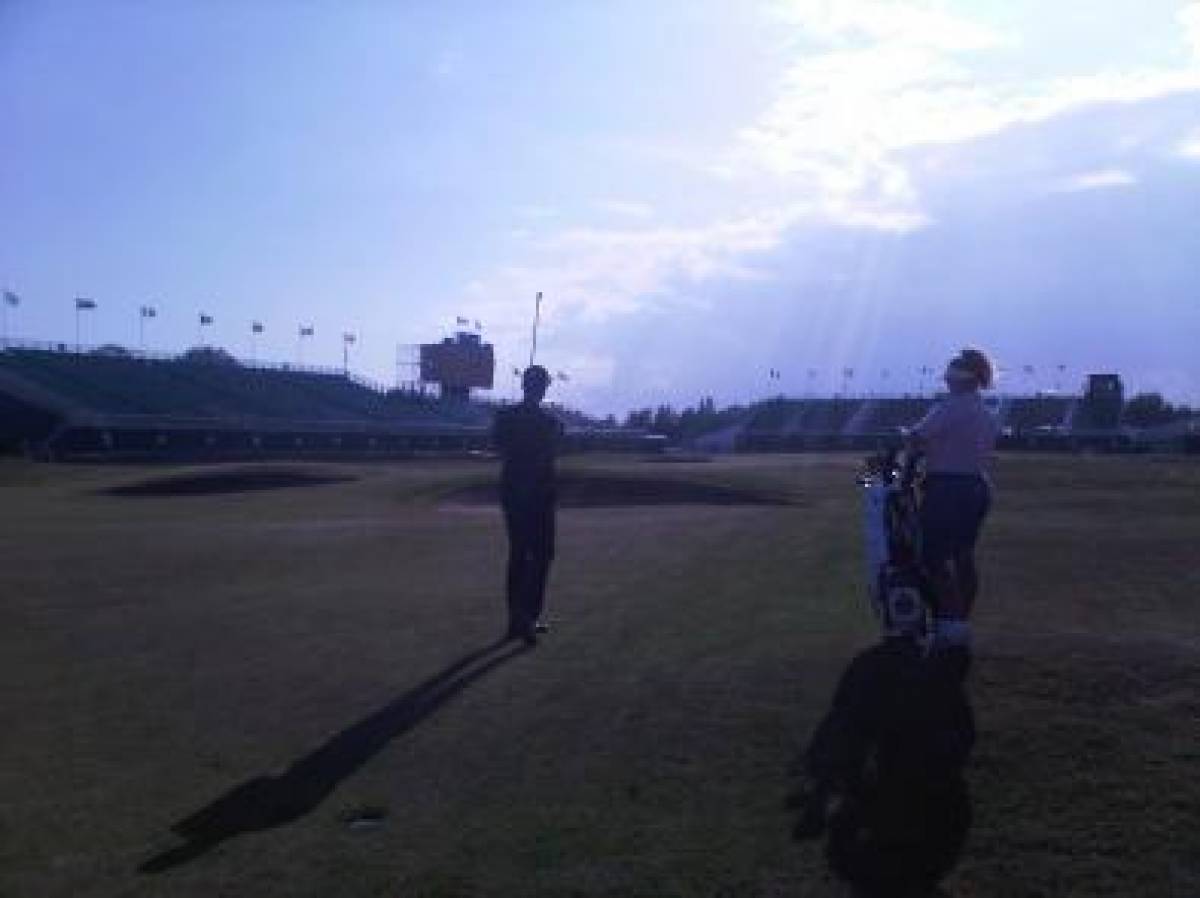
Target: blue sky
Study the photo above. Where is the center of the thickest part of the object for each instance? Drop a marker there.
(702, 190)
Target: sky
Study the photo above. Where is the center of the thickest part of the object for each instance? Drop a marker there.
(703, 190)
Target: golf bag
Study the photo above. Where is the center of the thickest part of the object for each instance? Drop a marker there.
(897, 585)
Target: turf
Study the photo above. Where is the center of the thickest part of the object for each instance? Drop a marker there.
(265, 662)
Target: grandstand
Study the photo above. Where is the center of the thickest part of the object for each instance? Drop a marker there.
(1038, 414)
(782, 423)
(56, 403)
(1043, 421)
(885, 415)
(60, 403)
(107, 403)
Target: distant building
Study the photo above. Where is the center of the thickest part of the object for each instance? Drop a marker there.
(1100, 408)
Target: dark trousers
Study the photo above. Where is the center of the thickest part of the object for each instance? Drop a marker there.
(530, 525)
(952, 513)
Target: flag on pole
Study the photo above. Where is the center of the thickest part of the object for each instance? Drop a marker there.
(306, 331)
(205, 319)
(82, 303)
(149, 312)
(256, 327)
(11, 298)
(462, 321)
(350, 338)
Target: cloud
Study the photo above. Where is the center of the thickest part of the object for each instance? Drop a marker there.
(448, 65)
(874, 99)
(888, 79)
(1097, 180)
(586, 371)
(1189, 147)
(837, 21)
(535, 211)
(628, 208)
(590, 274)
(1189, 21)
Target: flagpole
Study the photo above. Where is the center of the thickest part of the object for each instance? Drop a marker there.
(8, 299)
(537, 316)
(301, 334)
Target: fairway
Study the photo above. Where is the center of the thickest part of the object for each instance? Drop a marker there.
(164, 646)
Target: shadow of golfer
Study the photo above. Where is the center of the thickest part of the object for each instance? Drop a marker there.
(883, 776)
(265, 802)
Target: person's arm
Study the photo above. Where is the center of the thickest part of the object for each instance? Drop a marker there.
(917, 437)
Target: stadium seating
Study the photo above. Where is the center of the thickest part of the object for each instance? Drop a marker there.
(772, 416)
(828, 416)
(889, 415)
(1024, 414)
(127, 385)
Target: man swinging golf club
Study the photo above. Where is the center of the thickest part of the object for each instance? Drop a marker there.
(526, 436)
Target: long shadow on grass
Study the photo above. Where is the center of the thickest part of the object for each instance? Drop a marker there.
(265, 802)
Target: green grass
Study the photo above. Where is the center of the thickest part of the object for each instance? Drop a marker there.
(157, 652)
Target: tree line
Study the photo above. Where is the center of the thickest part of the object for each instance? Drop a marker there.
(1140, 410)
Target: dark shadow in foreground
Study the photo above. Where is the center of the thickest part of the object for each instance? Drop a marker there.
(269, 801)
(883, 774)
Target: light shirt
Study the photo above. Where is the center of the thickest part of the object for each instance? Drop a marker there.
(959, 434)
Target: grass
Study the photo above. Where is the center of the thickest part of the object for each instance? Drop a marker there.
(158, 651)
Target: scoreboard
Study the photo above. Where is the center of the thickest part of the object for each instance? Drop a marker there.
(459, 363)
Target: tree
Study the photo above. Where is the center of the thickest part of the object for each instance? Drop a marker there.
(209, 355)
(1151, 410)
(639, 419)
(666, 421)
(112, 350)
